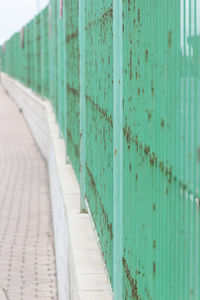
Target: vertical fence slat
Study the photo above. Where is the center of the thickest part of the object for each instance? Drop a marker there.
(118, 150)
(82, 102)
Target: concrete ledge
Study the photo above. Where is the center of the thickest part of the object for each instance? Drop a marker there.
(81, 272)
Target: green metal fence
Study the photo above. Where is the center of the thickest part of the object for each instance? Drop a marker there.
(99, 120)
(123, 78)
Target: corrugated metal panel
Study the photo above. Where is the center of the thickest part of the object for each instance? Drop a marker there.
(161, 216)
(61, 68)
(72, 82)
(45, 52)
(99, 120)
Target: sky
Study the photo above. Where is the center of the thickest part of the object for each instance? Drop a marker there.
(14, 14)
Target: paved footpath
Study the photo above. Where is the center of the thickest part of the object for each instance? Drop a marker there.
(27, 260)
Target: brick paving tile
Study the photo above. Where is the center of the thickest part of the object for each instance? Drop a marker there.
(27, 258)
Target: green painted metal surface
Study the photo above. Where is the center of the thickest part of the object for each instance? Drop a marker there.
(45, 52)
(83, 206)
(123, 78)
(161, 189)
(73, 83)
(117, 150)
(99, 120)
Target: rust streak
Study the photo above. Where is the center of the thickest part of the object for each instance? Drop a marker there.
(132, 281)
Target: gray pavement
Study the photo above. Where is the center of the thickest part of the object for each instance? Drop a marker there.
(27, 259)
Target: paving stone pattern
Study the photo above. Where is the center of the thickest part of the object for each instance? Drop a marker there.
(27, 259)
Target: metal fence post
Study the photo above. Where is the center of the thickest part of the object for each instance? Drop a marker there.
(58, 41)
(118, 150)
(65, 75)
(35, 54)
(42, 51)
(50, 49)
(82, 102)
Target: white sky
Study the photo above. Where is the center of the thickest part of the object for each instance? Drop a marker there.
(16, 13)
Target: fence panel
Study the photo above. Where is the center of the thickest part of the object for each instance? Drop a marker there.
(160, 146)
(72, 82)
(45, 51)
(99, 120)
